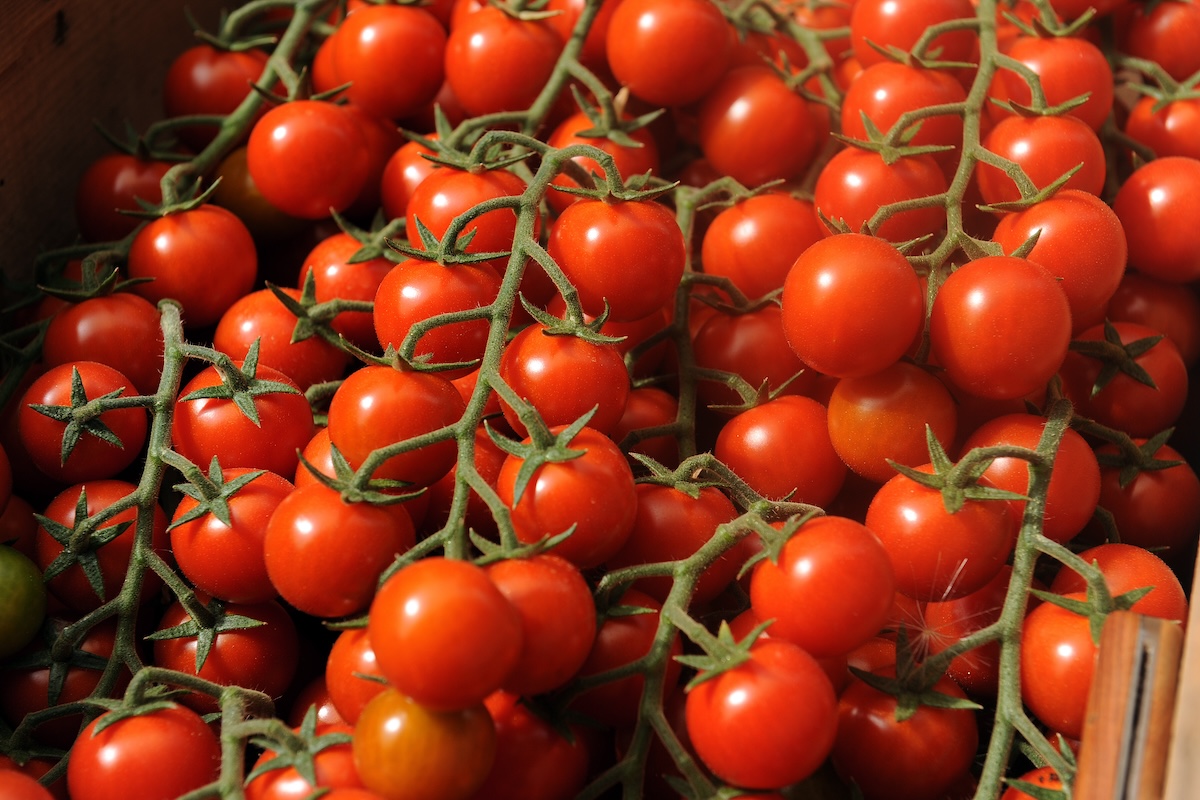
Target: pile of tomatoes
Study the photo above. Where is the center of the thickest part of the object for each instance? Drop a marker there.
(607, 398)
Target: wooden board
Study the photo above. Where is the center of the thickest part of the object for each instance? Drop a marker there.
(63, 65)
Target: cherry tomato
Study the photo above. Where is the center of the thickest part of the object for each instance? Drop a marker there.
(205, 80)
(110, 183)
(405, 751)
(332, 766)
(938, 555)
(22, 601)
(630, 160)
(262, 657)
(754, 346)
(497, 62)
(558, 619)
(447, 193)
(93, 456)
(852, 305)
(1164, 34)
(444, 634)
(856, 182)
(379, 406)
(325, 555)
(1125, 402)
(594, 241)
(377, 43)
(324, 137)
(1068, 67)
(1157, 207)
(883, 417)
(1045, 147)
(223, 559)
(238, 192)
(176, 249)
(782, 449)
(671, 525)
(755, 129)
(726, 716)
(19, 786)
(534, 761)
(208, 427)
(755, 241)
(126, 758)
(351, 673)
(815, 603)
(1127, 567)
(1080, 241)
(1000, 327)
(335, 277)
(72, 586)
(669, 53)
(414, 290)
(402, 174)
(1042, 777)
(1171, 308)
(100, 329)
(1058, 661)
(263, 318)
(886, 757)
(1074, 485)
(564, 494)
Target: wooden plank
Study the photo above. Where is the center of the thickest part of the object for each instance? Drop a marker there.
(63, 65)
(1183, 759)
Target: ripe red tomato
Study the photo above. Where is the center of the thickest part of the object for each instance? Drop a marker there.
(726, 714)
(648, 407)
(901, 24)
(414, 291)
(402, 174)
(71, 586)
(1157, 207)
(622, 640)
(1044, 777)
(883, 416)
(126, 758)
(444, 634)
(810, 575)
(564, 377)
(238, 192)
(1159, 509)
(379, 406)
(753, 346)
(332, 767)
(263, 657)
(93, 456)
(1000, 327)
(755, 129)
(938, 555)
(1058, 661)
(226, 560)
(594, 241)
(562, 494)
(558, 619)
(1172, 308)
(17, 785)
(263, 318)
(1045, 147)
(852, 305)
(1124, 402)
(375, 44)
(855, 183)
(1164, 33)
(755, 241)
(176, 249)
(205, 80)
(782, 450)
(1172, 130)
(671, 525)
(1127, 567)
(534, 760)
(497, 62)
(919, 757)
(1080, 241)
(1074, 485)
(630, 160)
(110, 183)
(1068, 67)
(885, 91)
(335, 277)
(99, 329)
(406, 751)
(668, 52)
(352, 676)
(208, 427)
(324, 137)
(325, 555)
(447, 193)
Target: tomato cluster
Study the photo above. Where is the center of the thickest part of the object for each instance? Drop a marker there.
(654, 398)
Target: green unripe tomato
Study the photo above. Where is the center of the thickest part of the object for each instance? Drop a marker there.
(22, 600)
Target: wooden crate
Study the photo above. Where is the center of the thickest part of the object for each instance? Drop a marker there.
(64, 65)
